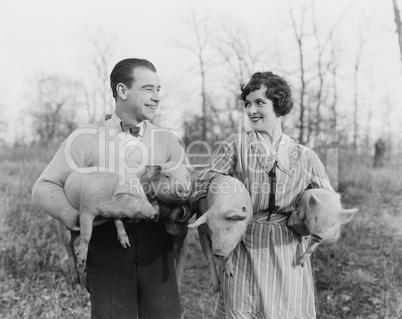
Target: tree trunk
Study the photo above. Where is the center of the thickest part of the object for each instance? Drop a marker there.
(398, 24)
(356, 106)
(298, 31)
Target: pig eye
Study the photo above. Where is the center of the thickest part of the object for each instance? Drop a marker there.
(244, 209)
(167, 177)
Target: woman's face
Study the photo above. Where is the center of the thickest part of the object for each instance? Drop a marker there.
(260, 111)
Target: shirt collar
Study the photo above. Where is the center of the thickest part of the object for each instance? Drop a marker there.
(117, 120)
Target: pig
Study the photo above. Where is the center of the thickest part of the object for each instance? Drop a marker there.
(168, 188)
(223, 226)
(322, 214)
(99, 194)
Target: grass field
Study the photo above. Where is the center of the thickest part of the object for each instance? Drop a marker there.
(358, 277)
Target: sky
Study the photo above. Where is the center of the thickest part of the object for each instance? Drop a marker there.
(51, 37)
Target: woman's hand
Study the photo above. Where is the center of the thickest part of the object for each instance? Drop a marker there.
(296, 223)
(202, 206)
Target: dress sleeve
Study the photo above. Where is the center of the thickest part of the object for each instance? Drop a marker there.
(221, 162)
(318, 177)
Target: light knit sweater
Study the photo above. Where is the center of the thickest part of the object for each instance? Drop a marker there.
(100, 145)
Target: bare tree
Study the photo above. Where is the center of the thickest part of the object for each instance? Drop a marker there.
(99, 56)
(324, 65)
(369, 115)
(398, 24)
(240, 57)
(202, 32)
(300, 35)
(55, 101)
(334, 72)
(235, 49)
(364, 38)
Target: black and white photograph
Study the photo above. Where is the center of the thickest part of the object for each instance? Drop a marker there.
(206, 159)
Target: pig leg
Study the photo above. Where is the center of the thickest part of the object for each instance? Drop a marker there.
(206, 246)
(86, 224)
(155, 204)
(121, 233)
(312, 246)
(67, 238)
(180, 249)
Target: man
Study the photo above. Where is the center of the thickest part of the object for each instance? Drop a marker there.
(138, 280)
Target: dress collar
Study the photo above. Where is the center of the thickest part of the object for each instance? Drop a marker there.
(267, 154)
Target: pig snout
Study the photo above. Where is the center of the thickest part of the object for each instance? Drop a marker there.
(183, 191)
(139, 209)
(149, 213)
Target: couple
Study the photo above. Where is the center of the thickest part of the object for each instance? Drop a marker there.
(127, 282)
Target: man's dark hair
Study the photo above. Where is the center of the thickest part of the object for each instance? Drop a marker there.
(124, 70)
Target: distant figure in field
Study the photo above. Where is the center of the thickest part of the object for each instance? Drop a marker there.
(379, 154)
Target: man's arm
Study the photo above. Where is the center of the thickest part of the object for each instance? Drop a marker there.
(48, 193)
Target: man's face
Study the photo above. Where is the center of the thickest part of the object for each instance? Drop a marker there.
(143, 96)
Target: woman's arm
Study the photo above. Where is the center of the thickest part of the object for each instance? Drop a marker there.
(221, 162)
(318, 176)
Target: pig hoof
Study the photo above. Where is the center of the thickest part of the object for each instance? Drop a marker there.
(125, 245)
(124, 241)
(81, 269)
(229, 269)
(80, 259)
(75, 280)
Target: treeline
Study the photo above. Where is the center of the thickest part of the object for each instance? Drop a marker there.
(225, 55)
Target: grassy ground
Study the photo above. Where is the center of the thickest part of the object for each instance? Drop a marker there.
(358, 277)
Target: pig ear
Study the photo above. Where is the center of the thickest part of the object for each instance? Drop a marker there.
(313, 201)
(120, 190)
(152, 172)
(233, 215)
(347, 215)
(202, 220)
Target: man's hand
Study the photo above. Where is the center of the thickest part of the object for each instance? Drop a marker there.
(296, 223)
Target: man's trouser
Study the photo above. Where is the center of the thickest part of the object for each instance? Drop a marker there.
(136, 281)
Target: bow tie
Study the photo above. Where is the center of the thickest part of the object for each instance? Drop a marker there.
(133, 129)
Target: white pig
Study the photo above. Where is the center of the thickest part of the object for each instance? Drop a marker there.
(100, 195)
(225, 222)
(323, 215)
(168, 188)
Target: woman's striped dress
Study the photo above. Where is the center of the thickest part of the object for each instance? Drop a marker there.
(266, 282)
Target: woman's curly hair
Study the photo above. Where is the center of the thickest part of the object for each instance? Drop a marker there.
(278, 91)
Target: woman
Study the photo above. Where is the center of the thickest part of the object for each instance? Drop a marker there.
(266, 282)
